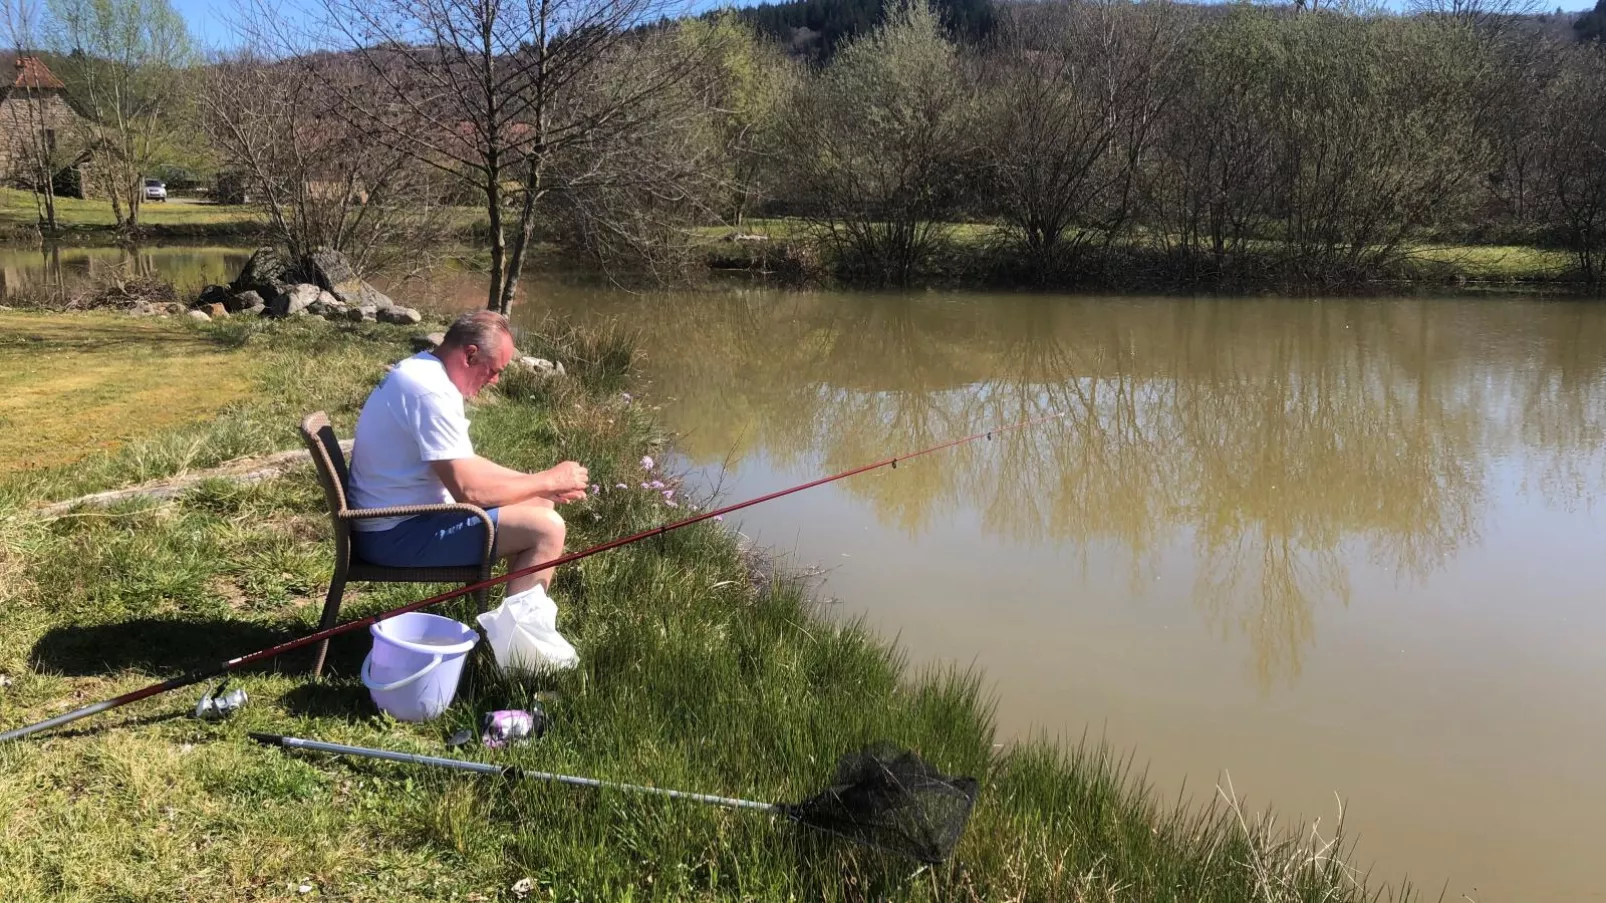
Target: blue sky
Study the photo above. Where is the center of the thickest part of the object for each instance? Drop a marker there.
(208, 19)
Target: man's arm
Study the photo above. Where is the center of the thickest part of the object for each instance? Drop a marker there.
(487, 484)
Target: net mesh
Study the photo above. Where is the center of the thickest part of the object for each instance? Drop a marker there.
(892, 800)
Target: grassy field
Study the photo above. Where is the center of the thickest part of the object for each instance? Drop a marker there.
(698, 673)
(1432, 263)
(75, 386)
(179, 216)
(17, 208)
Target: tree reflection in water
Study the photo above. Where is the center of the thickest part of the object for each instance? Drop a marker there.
(1280, 438)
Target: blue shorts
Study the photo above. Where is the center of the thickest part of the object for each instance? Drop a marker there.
(447, 539)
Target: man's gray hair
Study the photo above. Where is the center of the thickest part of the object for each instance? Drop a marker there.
(479, 328)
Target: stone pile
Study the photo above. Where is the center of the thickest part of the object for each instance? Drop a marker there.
(328, 287)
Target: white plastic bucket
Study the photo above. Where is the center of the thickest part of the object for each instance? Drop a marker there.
(413, 669)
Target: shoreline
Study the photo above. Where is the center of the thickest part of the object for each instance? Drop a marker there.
(701, 670)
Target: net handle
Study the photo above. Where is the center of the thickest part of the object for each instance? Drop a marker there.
(512, 772)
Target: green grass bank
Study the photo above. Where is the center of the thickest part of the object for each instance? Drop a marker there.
(788, 251)
(702, 670)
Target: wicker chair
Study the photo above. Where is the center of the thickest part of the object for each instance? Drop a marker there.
(332, 473)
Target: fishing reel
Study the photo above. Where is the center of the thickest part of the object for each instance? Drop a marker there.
(217, 705)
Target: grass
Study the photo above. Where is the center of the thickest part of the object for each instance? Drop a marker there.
(979, 255)
(698, 673)
(1502, 263)
(179, 217)
(71, 387)
(17, 208)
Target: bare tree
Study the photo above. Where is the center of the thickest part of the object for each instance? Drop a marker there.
(1074, 92)
(496, 94)
(632, 201)
(1493, 17)
(751, 79)
(126, 60)
(1573, 151)
(878, 145)
(36, 114)
(317, 181)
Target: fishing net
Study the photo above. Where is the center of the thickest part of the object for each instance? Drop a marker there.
(892, 800)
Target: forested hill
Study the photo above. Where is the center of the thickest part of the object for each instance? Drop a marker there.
(814, 28)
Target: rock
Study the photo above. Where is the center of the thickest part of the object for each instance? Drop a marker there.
(246, 300)
(214, 294)
(335, 274)
(428, 342)
(403, 316)
(331, 270)
(258, 308)
(175, 308)
(266, 273)
(215, 311)
(200, 315)
(355, 314)
(293, 300)
(327, 307)
(540, 366)
(370, 313)
(140, 309)
(368, 296)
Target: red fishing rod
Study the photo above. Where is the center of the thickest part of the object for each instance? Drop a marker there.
(195, 677)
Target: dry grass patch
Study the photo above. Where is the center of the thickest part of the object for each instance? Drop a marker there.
(73, 385)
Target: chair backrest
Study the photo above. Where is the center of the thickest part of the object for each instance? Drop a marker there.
(321, 442)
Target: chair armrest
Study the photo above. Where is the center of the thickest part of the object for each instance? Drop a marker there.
(411, 510)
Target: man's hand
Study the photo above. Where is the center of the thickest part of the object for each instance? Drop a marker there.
(568, 482)
(490, 485)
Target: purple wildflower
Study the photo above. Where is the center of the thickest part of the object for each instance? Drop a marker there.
(646, 462)
(719, 517)
(656, 484)
(595, 489)
(620, 486)
(669, 494)
(625, 396)
(671, 503)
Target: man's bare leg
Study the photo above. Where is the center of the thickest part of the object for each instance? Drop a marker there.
(527, 534)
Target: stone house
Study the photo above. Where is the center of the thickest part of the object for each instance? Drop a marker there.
(39, 127)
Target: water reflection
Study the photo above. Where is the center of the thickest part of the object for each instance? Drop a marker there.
(67, 269)
(1281, 440)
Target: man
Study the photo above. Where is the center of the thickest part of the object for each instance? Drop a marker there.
(412, 448)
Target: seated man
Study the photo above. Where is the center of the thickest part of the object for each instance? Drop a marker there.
(412, 448)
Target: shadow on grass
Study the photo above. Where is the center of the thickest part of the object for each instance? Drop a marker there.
(164, 646)
(346, 699)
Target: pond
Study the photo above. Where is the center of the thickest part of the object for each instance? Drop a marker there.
(1329, 550)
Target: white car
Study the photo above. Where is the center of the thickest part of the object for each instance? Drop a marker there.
(155, 190)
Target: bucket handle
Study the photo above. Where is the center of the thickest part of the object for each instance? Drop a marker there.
(368, 678)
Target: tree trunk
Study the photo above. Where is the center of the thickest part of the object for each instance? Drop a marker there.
(493, 209)
(521, 242)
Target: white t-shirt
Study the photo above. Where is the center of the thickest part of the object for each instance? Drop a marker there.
(414, 417)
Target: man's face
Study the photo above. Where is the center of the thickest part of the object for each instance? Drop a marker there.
(483, 366)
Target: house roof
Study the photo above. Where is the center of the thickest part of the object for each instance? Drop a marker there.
(31, 72)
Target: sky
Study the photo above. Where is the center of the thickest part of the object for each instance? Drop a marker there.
(208, 19)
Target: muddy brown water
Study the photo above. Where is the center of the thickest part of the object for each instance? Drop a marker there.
(1340, 551)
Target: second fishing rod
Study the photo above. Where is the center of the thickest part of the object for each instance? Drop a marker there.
(204, 674)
